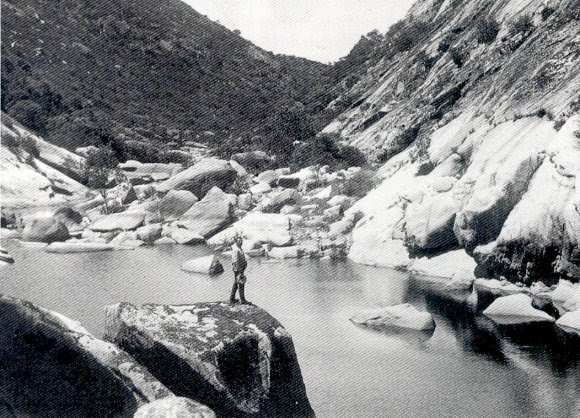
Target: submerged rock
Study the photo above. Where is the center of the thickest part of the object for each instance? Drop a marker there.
(52, 366)
(174, 407)
(400, 316)
(236, 359)
(77, 247)
(515, 309)
(209, 264)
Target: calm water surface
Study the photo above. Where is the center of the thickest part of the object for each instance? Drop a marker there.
(467, 367)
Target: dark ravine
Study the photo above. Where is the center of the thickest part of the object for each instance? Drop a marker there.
(238, 360)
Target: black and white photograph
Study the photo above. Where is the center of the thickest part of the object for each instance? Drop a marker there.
(290, 209)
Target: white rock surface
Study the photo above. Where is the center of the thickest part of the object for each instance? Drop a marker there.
(174, 407)
(570, 321)
(209, 264)
(284, 252)
(270, 228)
(400, 316)
(515, 309)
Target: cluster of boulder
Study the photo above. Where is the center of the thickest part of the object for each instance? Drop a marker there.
(194, 361)
(278, 213)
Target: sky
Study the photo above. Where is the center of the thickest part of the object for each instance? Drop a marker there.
(321, 30)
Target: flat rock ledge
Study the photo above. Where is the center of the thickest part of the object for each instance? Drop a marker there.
(236, 359)
(51, 366)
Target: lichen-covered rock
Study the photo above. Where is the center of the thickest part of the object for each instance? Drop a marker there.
(209, 215)
(236, 359)
(208, 264)
(174, 407)
(201, 177)
(51, 366)
(119, 221)
(45, 230)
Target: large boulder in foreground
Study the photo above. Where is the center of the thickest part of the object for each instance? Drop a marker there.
(236, 359)
(45, 230)
(123, 221)
(211, 214)
(398, 316)
(51, 366)
(201, 177)
(515, 309)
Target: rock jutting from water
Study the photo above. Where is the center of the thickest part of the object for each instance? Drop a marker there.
(208, 264)
(52, 366)
(398, 316)
(236, 359)
(515, 309)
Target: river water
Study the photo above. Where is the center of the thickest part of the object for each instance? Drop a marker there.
(466, 367)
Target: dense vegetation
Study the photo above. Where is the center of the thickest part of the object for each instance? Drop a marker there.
(147, 75)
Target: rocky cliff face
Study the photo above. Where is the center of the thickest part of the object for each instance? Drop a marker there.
(477, 125)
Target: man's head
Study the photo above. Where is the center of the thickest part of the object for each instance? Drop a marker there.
(239, 241)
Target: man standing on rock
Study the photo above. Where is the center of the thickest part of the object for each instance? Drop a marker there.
(239, 265)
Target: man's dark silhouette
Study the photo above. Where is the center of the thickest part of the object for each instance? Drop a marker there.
(239, 265)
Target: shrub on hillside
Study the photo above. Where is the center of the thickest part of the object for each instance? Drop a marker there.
(446, 42)
(522, 24)
(325, 149)
(487, 30)
(29, 114)
(457, 57)
(547, 12)
(358, 185)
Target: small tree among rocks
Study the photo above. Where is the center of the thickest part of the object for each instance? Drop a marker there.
(100, 165)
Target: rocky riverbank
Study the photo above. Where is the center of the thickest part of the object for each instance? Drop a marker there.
(234, 359)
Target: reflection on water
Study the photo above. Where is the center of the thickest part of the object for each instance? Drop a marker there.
(467, 367)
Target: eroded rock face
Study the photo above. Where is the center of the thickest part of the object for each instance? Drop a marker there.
(236, 359)
(67, 372)
(201, 177)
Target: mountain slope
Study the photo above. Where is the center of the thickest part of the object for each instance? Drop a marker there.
(80, 71)
(472, 106)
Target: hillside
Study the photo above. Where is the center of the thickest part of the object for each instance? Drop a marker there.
(471, 107)
(84, 72)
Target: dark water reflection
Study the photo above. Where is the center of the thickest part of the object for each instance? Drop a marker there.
(467, 367)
